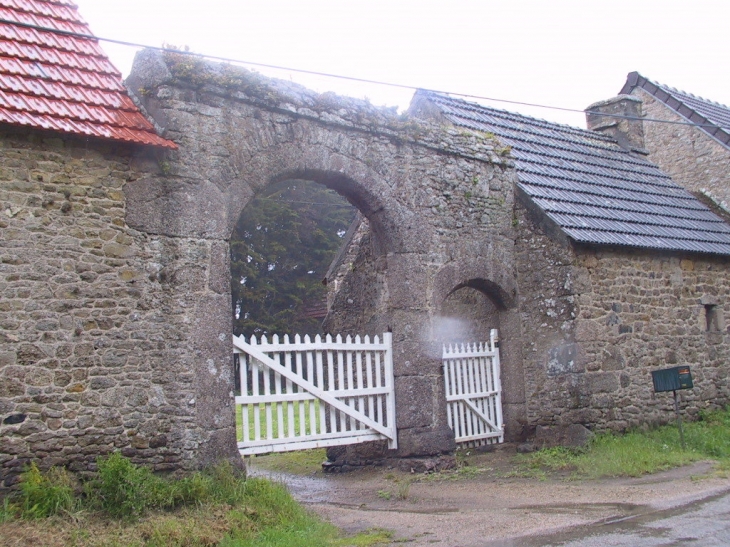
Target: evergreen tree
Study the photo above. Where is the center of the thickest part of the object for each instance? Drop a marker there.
(281, 249)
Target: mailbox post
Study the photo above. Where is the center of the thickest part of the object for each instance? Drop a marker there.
(673, 379)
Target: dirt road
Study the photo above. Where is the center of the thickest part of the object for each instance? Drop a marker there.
(484, 504)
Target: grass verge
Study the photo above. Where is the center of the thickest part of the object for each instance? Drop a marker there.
(126, 505)
(636, 453)
(299, 462)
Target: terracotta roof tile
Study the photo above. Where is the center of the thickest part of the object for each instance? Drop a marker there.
(63, 83)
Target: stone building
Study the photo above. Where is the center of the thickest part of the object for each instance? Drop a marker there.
(93, 343)
(115, 316)
(695, 149)
(115, 321)
(619, 271)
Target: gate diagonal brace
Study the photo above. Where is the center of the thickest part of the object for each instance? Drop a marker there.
(314, 390)
(479, 413)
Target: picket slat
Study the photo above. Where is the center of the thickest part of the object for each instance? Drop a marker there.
(473, 391)
(314, 393)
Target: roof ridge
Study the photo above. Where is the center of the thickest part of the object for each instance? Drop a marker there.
(710, 117)
(599, 136)
(683, 92)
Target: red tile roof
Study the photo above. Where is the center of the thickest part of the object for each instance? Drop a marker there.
(60, 82)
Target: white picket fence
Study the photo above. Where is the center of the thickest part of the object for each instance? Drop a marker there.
(474, 392)
(308, 394)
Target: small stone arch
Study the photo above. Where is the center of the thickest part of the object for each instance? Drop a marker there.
(467, 311)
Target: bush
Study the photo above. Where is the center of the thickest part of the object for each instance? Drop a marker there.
(43, 495)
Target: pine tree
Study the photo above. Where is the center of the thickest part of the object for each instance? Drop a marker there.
(281, 250)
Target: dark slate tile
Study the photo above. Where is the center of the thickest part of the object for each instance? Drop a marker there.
(593, 189)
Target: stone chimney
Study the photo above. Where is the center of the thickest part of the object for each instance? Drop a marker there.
(620, 118)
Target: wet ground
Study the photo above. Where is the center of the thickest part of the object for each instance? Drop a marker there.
(705, 523)
(493, 508)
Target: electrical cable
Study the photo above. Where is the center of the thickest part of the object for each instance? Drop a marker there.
(339, 76)
(306, 202)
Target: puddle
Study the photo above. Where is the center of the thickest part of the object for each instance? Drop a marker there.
(624, 509)
(704, 522)
(401, 510)
(305, 489)
(323, 489)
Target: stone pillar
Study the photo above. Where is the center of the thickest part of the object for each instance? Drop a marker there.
(513, 376)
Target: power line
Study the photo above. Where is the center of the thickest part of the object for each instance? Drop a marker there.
(308, 202)
(338, 76)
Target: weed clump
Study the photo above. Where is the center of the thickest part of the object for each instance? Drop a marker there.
(45, 495)
(127, 504)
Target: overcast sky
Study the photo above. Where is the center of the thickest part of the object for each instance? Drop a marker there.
(566, 53)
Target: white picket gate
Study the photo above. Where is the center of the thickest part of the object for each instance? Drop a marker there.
(474, 392)
(310, 394)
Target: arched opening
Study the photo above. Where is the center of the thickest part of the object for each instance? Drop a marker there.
(281, 248)
(464, 321)
(469, 312)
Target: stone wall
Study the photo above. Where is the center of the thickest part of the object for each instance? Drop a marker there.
(546, 277)
(95, 316)
(599, 320)
(116, 310)
(433, 197)
(689, 155)
(645, 311)
(115, 321)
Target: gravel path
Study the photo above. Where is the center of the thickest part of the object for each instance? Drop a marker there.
(489, 508)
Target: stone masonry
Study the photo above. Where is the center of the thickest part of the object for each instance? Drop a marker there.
(116, 316)
(115, 320)
(690, 156)
(431, 197)
(96, 318)
(600, 319)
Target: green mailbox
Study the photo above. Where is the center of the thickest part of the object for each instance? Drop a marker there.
(672, 379)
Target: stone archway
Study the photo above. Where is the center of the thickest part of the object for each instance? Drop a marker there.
(466, 313)
(431, 198)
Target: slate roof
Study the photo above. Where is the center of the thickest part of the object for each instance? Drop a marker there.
(63, 83)
(713, 117)
(594, 190)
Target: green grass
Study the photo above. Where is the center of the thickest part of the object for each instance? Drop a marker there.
(44, 495)
(636, 453)
(306, 406)
(299, 462)
(126, 505)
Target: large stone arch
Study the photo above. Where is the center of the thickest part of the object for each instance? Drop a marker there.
(432, 197)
